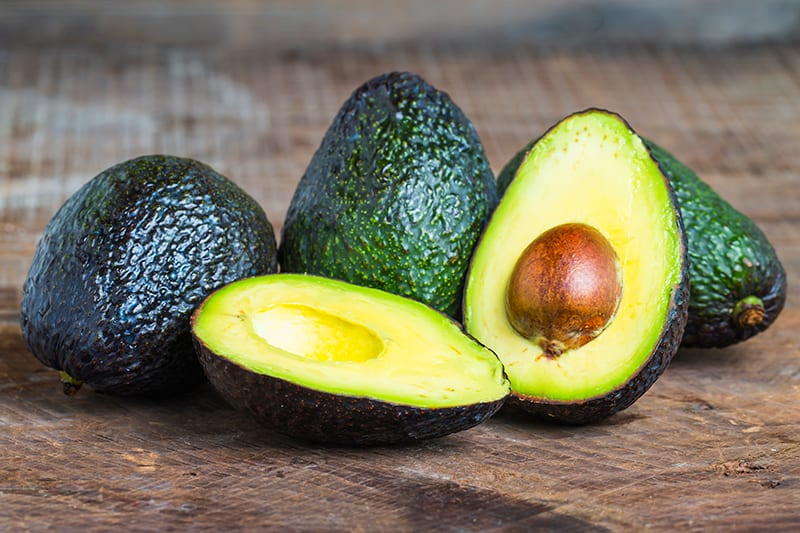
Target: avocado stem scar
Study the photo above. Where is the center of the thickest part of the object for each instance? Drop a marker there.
(749, 312)
(70, 385)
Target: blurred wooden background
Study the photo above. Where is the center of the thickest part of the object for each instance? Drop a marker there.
(250, 87)
(321, 23)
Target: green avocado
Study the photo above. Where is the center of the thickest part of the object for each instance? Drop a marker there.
(123, 263)
(738, 285)
(395, 197)
(327, 361)
(579, 283)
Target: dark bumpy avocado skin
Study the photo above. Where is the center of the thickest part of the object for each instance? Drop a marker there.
(395, 197)
(308, 414)
(730, 258)
(124, 262)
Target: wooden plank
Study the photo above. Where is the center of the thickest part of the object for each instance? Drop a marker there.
(699, 450)
(258, 117)
(713, 445)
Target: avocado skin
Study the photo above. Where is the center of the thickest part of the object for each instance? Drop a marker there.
(508, 171)
(395, 197)
(730, 258)
(339, 420)
(122, 264)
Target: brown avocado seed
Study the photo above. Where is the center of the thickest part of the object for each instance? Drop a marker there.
(565, 288)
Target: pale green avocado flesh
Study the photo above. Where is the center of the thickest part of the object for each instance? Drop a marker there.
(590, 169)
(348, 340)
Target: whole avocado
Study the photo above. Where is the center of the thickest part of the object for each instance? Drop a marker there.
(395, 197)
(123, 263)
(738, 284)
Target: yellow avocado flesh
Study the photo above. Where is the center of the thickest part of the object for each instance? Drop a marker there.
(343, 339)
(591, 169)
(308, 332)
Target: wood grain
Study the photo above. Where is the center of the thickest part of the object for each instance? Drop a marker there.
(714, 444)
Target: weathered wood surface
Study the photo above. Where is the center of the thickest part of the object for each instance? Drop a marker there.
(714, 444)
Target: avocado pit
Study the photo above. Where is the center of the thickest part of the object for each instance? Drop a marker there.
(565, 288)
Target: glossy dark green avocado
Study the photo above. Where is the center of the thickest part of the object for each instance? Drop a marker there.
(738, 284)
(395, 197)
(123, 263)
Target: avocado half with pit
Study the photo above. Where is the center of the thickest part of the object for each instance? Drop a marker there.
(332, 362)
(580, 283)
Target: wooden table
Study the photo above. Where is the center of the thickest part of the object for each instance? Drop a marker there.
(713, 445)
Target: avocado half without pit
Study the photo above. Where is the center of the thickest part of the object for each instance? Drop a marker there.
(331, 362)
(579, 283)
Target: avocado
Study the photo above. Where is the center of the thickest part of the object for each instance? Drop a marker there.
(738, 284)
(328, 361)
(580, 281)
(396, 196)
(123, 263)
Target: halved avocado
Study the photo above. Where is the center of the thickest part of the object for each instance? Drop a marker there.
(332, 362)
(580, 280)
